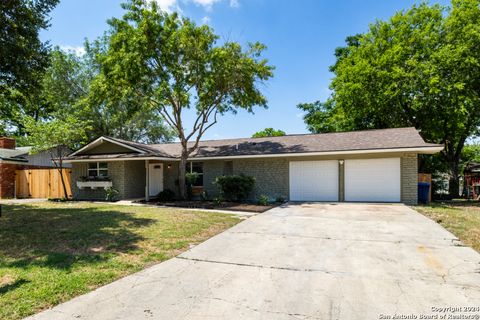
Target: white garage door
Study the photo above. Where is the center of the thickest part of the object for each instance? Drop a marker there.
(372, 180)
(314, 180)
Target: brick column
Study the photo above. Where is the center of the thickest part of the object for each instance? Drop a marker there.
(7, 180)
(409, 179)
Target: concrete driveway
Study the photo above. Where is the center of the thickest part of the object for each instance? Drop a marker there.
(301, 261)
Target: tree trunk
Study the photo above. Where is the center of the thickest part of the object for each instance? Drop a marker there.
(60, 170)
(454, 181)
(181, 175)
(452, 155)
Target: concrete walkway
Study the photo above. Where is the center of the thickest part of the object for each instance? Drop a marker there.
(309, 261)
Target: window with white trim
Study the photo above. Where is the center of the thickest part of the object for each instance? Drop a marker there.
(98, 169)
(198, 168)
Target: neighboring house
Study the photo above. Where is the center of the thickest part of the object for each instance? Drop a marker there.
(372, 165)
(14, 158)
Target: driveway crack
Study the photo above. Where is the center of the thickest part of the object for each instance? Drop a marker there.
(259, 266)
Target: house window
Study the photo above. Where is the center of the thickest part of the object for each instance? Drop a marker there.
(198, 168)
(228, 168)
(98, 169)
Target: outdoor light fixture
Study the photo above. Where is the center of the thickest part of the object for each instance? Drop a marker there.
(169, 166)
(341, 162)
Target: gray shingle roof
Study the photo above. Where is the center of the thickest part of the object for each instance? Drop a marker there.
(297, 143)
(16, 155)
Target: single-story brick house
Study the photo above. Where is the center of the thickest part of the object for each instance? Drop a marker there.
(371, 165)
(14, 158)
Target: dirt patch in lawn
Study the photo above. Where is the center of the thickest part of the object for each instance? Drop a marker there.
(233, 206)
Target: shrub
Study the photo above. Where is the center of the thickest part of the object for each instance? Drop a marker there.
(217, 201)
(280, 199)
(111, 194)
(204, 196)
(263, 200)
(166, 195)
(190, 178)
(235, 187)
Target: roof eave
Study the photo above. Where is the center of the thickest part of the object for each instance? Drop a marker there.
(100, 140)
(419, 150)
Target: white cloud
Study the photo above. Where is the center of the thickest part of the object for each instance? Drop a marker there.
(173, 5)
(206, 20)
(77, 50)
(205, 3)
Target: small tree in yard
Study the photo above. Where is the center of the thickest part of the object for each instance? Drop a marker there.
(58, 137)
(175, 65)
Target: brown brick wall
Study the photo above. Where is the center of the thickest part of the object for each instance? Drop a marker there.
(7, 143)
(7, 180)
(128, 177)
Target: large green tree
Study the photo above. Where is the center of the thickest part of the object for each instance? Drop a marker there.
(123, 116)
(420, 68)
(176, 66)
(268, 132)
(23, 57)
(73, 85)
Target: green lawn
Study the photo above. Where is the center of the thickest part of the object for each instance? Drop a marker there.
(51, 252)
(460, 218)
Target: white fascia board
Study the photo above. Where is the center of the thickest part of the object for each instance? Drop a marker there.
(421, 150)
(99, 141)
(120, 159)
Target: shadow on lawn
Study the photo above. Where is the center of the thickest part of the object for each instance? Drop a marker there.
(60, 237)
(12, 286)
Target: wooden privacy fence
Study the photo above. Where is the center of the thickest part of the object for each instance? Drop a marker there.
(42, 183)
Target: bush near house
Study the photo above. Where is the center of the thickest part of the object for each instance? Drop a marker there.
(166, 195)
(235, 187)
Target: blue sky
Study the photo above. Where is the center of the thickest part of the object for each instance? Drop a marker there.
(301, 37)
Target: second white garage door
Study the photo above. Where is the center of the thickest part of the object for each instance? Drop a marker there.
(375, 180)
(314, 180)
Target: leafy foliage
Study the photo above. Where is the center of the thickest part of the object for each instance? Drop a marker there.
(171, 64)
(23, 57)
(190, 179)
(420, 68)
(166, 195)
(111, 194)
(263, 200)
(268, 132)
(235, 187)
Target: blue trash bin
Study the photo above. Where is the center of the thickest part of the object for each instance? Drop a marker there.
(423, 191)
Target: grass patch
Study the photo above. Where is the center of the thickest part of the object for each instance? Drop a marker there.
(461, 219)
(51, 252)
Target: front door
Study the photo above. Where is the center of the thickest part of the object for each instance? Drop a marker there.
(155, 178)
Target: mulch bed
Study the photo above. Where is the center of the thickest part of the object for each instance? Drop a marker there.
(234, 206)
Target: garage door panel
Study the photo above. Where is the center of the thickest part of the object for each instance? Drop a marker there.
(372, 180)
(314, 180)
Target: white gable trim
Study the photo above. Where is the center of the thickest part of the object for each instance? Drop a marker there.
(99, 141)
